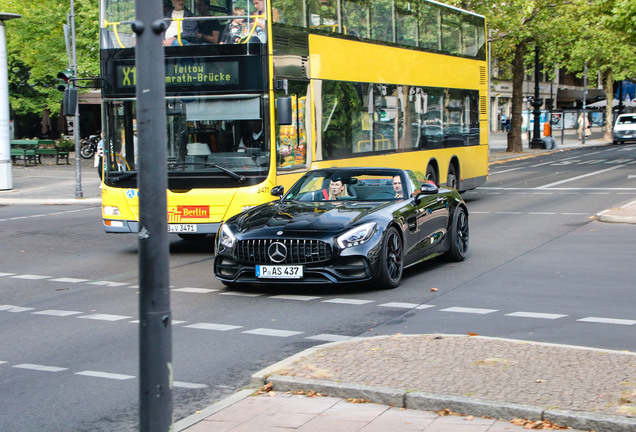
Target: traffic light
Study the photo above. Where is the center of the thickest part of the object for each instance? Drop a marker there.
(69, 102)
(67, 78)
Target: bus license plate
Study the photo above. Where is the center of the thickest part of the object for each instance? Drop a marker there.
(279, 272)
(182, 228)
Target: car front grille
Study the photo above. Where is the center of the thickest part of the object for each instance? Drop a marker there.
(298, 251)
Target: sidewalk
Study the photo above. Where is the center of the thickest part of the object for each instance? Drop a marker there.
(53, 184)
(433, 383)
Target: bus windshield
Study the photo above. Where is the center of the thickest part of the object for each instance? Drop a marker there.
(205, 135)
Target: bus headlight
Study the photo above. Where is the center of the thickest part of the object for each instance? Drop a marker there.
(356, 236)
(227, 237)
(111, 210)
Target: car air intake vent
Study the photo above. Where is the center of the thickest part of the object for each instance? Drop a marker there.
(283, 251)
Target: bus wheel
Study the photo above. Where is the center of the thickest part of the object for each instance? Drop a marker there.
(431, 174)
(452, 181)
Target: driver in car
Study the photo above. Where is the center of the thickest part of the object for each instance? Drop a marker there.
(337, 189)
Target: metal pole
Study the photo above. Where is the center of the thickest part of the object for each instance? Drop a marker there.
(76, 121)
(584, 117)
(537, 142)
(6, 175)
(155, 321)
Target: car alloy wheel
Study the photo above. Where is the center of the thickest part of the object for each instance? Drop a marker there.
(392, 259)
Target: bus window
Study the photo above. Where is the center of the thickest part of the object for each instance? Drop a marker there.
(429, 27)
(293, 141)
(201, 134)
(406, 23)
(355, 18)
(323, 15)
(451, 33)
(382, 21)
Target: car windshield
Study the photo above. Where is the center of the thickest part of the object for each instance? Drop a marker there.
(337, 185)
(626, 119)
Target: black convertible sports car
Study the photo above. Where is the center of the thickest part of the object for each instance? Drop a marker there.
(342, 225)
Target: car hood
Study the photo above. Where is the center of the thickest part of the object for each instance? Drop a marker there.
(294, 216)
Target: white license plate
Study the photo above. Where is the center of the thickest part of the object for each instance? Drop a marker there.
(182, 228)
(627, 136)
(279, 271)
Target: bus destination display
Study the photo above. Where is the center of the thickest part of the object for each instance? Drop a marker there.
(187, 72)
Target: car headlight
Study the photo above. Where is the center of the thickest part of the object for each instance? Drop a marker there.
(227, 237)
(357, 235)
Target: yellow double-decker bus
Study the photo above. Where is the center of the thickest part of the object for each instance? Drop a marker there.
(259, 93)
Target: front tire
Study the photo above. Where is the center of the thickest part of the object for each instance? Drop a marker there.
(87, 151)
(458, 236)
(392, 260)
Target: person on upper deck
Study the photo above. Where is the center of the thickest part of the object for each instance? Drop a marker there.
(236, 29)
(188, 29)
(208, 30)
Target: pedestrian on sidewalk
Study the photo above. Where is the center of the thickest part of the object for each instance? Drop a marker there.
(584, 126)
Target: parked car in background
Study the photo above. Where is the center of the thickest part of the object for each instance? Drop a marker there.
(624, 129)
(343, 225)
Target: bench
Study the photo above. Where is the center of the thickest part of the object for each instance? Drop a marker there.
(25, 150)
(49, 148)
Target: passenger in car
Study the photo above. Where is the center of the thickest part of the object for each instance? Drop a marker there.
(397, 187)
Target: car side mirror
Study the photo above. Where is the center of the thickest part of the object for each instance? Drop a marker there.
(277, 191)
(426, 189)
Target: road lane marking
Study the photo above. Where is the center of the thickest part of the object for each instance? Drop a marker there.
(348, 301)
(11, 308)
(272, 332)
(56, 312)
(6, 274)
(549, 185)
(105, 317)
(468, 310)
(536, 315)
(107, 375)
(294, 297)
(195, 290)
(188, 385)
(37, 367)
(69, 280)
(400, 305)
(600, 320)
(213, 326)
(30, 277)
(240, 294)
(109, 283)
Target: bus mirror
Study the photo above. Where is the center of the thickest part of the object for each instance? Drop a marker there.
(284, 110)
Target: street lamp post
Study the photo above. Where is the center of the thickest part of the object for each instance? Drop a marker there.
(536, 142)
(584, 116)
(6, 176)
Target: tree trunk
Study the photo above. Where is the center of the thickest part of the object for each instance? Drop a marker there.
(516, 119)
(609, 107)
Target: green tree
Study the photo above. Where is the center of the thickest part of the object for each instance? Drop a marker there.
(36, 50)
(570, 34)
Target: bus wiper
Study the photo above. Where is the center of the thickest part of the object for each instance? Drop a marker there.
(123, 176)
(239, 177)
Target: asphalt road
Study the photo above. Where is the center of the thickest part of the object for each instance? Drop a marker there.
(539, 268)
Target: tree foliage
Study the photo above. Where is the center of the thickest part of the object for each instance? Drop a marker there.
(36, 50)
(569, 34)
